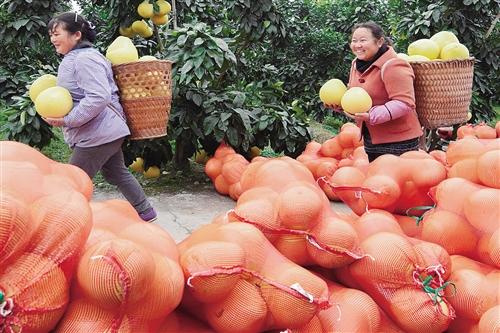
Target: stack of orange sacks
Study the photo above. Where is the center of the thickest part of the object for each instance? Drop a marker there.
(45, 221)
(128, 278)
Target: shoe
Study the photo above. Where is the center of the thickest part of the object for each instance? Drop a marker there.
(148, 215)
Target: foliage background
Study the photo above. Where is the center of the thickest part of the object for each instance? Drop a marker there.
(247, 72)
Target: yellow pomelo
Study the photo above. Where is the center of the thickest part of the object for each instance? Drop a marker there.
(201, 156)
(145, 9)
(147, 58)
(159, 19)
(444, 38)
(469, 116)
(165, 7)
(122, 50)
(403, 56)
(142, 28)
(40, 84)
(127, 32)
(255, 151)
(425, 47)
(137, 165)
(152, 172)
(417, 57)
(454, 51)
(332, 91)
(54, 102)
(356, 100)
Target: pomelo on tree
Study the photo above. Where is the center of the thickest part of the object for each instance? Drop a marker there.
(454, 51)
(356, 100)
(444, 38)
(54, 102)
(164, 6)
(122, 50)
(127, 32)
(159, 19)
(332, 91)
(425, 47)
(40, 84)
(145, 9)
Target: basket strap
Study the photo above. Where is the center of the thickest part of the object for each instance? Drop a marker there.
(116, 111)
(382, 69)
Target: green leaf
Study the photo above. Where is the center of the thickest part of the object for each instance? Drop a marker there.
(198, 41)
(197, 99)
(19, 23)
(239, 99)
(22, 118)
(221, 44)
(182, 40)
(187, 66)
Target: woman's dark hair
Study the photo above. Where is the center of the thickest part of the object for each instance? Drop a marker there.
(376, 30)
(73, 22)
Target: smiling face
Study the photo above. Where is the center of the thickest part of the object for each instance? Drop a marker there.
(364, 45)
(62, 39)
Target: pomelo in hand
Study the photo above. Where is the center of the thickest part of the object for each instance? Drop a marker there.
(54, 102)
(454, 51)
(332, 91)
(425, 47)
(40, 84)
(122, 50)
(356, 100)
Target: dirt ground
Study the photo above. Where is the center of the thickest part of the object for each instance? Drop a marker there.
(181, 212)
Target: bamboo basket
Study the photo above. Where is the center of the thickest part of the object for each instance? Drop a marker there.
(146, 96)
(443, 91)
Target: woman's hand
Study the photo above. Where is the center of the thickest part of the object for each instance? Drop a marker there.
(334, 107)
(365, 116)
(57, 122)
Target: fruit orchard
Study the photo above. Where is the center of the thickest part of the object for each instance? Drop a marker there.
(247, 72)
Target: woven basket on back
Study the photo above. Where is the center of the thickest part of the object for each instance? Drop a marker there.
(443, 91)
(145, 93)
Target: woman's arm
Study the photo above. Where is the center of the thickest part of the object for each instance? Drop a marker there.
(398, 79)
(92, 79)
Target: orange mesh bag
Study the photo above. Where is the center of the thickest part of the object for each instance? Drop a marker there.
(238, 282)
(476, 289)
(225, 170)
(128, 277)
(44, 223)
(179, 322)
(406, 278)
(353, 311)
(283, 201)
(464, 220)
(480, 131)
(392, 183)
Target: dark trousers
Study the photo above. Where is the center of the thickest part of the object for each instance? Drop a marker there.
(108, 158)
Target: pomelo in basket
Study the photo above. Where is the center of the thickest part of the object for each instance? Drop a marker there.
(121, 51)
(425, 47)
(454, 51)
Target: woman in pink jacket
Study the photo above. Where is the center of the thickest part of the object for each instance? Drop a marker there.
(391, 126)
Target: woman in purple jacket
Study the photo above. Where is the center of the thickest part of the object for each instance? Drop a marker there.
(95, 128)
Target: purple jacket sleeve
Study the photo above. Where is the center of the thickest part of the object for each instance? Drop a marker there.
(391, 110)
(92, 79)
